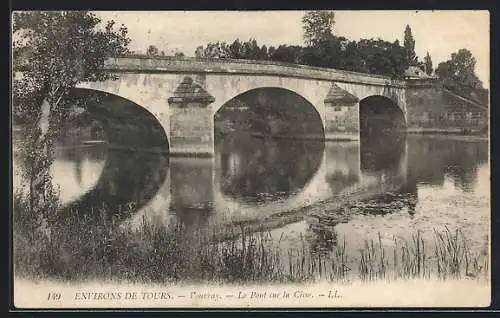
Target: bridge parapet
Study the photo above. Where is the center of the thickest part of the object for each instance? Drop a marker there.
(422, 83)
(145, 64)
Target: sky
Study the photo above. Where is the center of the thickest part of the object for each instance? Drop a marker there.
(438, 32)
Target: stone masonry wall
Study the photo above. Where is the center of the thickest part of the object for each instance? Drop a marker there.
(431, 107)
(191, 129)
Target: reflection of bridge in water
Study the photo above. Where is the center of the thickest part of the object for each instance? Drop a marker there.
(202, 191)
(253, 180)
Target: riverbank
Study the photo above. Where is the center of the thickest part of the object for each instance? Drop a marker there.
(326, 137)
(100, 294)
(435, 134)
(450, 133)
(447, 134)
(458, 137)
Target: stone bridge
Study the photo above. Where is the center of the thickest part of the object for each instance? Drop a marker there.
(183, 95)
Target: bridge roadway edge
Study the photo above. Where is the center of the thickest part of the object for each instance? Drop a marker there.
(141, 64)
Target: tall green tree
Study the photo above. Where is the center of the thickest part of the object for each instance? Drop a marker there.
(216, 50)
(459, 70)
(409, 45)
(287, 53)
(52, 53)
(317, 26)
(264, 55)
(198, 52)
(328, 53)
(179, 54)
(153, 51)
(381, 57)
(236, 50)
(428, 64)
(251, 50)
(353, 58)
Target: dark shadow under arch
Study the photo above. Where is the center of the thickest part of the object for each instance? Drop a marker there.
(271, 111)
(126, 124)
(379, 114)
(263, 144)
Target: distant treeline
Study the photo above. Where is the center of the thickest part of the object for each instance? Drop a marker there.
(322, 48)
(374, 56)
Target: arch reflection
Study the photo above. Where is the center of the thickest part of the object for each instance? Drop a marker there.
(128, 182)
(261, 147)
(260, 170)
(76, 170)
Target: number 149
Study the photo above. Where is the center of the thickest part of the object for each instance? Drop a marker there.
(54, 296)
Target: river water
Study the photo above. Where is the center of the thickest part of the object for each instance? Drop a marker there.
(418, 183)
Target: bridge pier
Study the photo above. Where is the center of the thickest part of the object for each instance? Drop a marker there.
(191, 121)
(341, 115)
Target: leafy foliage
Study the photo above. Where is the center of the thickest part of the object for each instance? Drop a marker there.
(368, 55)
(153, 51)
(317, 26)
(215, 50)
(458, 75)
(52, 52)
(286, 53)
(459, 70)
(323, 50)
(428, 64)
(237, 50)
(56, 50)
(409, 45)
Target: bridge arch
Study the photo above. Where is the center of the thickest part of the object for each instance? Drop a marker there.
(126, 123)
(229, 86)
(379, 114)
(286, 111)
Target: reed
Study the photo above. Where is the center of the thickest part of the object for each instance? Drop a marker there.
(96, 246)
